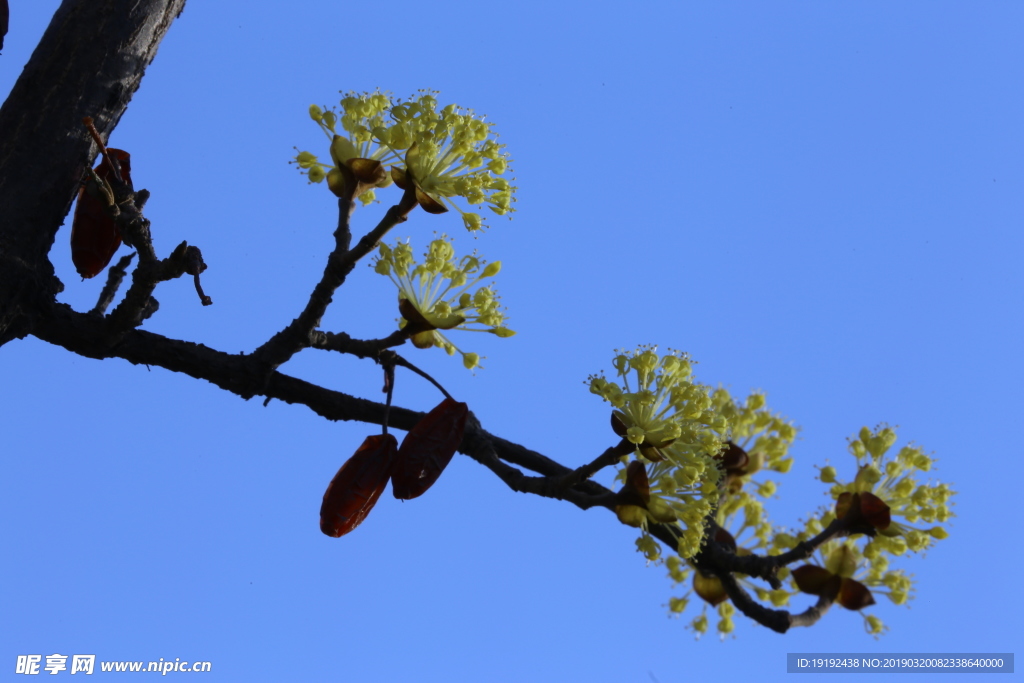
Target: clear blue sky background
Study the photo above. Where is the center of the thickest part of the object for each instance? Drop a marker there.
(820, 200)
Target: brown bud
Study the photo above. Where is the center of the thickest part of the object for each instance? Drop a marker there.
(358, 484)
(428, 448)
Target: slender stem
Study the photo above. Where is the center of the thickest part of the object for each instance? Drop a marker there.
(298, 334)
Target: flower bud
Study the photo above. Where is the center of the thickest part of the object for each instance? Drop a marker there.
(631, 515)
(678, 605)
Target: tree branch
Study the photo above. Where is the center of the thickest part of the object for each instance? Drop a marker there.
(115, 275)
(361, 348)
(298, 334)
(248, 376)
(89, 62)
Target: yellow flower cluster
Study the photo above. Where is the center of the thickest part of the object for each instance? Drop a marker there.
(884, 487)
(895, 481)
(670, 419)
(752, 427)
(441, 294)
(440, 154)
(356, 156)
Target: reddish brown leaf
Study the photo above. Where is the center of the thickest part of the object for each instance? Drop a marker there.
(817, 581)
(724, 538)
(863, 509)
(94, 235)
(415, 322)
(734, 459)
(400, 178)
(429, 204)
(618, 426)
(637, 490)
(428, 448)
(358, 484)
(855, 595)
(875, 511)
(368, 171)
(844, 504)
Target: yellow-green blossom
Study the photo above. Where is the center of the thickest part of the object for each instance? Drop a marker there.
(442, 293)
(439, 154)
(355, 154)
(657, 404)
(725, 623)
(894, 479)
(765, 437)
(658, 408)
(700, 624)
(448, 153)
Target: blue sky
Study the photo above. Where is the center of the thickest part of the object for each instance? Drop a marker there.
(819, 200)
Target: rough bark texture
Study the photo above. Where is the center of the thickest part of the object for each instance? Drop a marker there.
(89, 63)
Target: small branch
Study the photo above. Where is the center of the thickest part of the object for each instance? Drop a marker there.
(342, 343)
(811, 615)
(125, 204)
(298, 334)
(777, 620)
(138, 303)
(194, 265)
(606, 459)
(480, 446)
(804, 549)
(114, 278)
(126, 210)
(398, 360)
(767, 567)
(115, 165)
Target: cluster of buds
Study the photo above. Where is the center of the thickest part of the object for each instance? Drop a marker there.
(884, 488)
(757, 440)
(887, 487)
(657, 407)
(357, 166)
(442, 293)
(690, 464)
(436, 155)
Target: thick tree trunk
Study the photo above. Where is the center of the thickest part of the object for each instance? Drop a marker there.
(89, 63)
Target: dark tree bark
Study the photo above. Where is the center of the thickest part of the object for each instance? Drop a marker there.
(90, 62)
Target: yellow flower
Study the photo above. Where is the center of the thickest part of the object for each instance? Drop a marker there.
(439, 294)
(357, 160)
(448, 153)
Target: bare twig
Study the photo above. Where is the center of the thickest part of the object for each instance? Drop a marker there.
(361, 348)
(298, 334)
(114, 278)
(606, 459)
(398, 360)
(138, 303)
